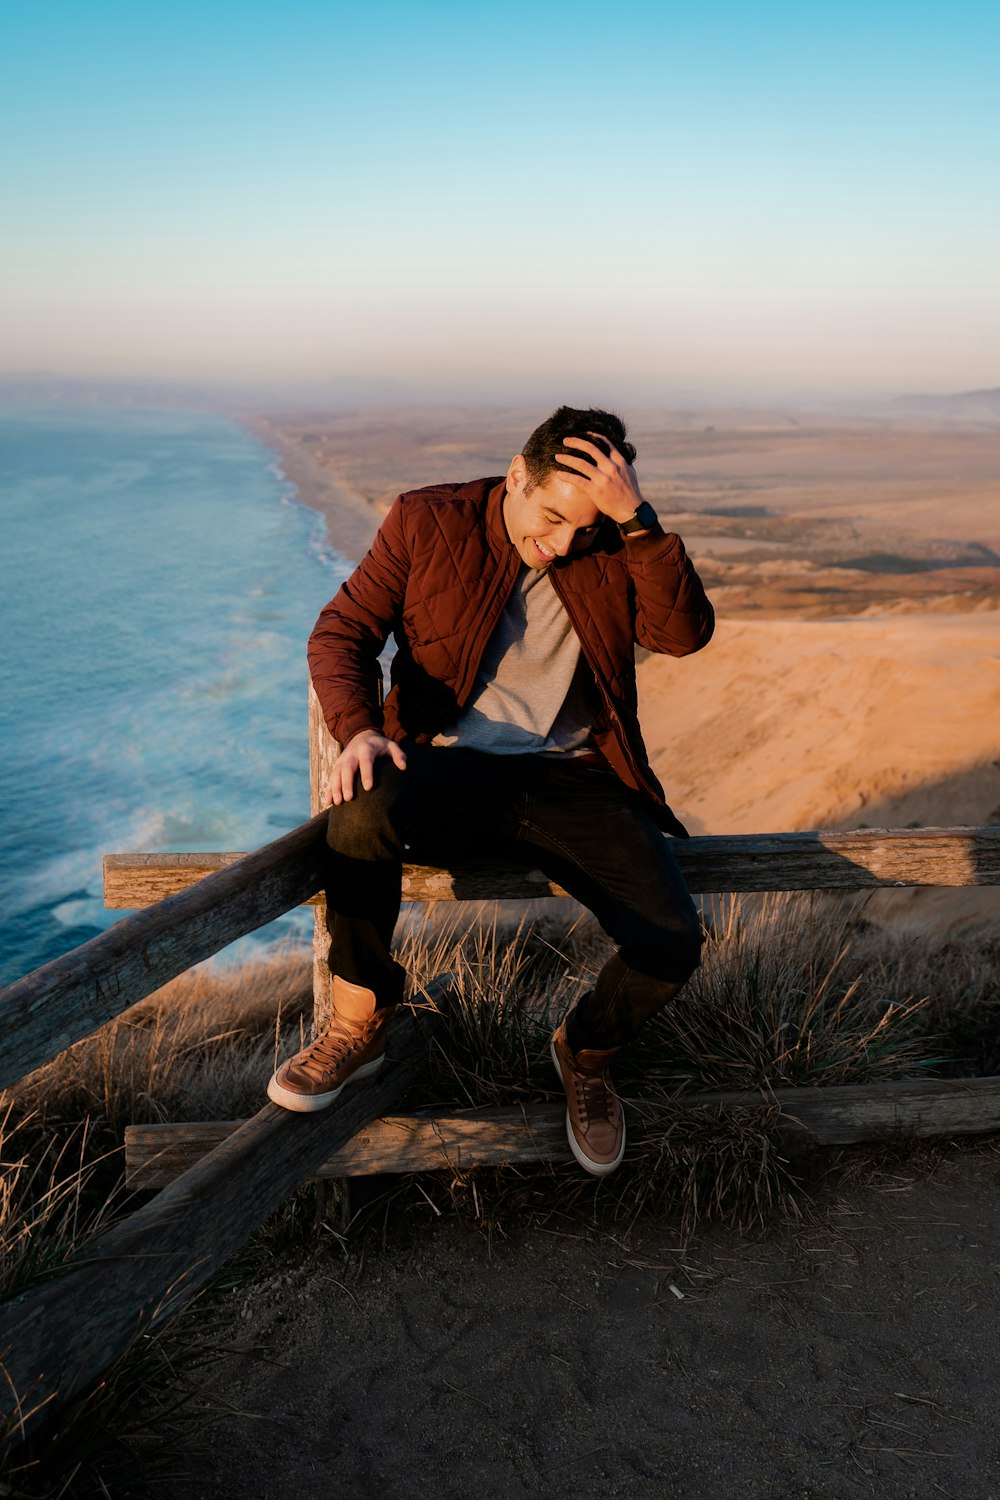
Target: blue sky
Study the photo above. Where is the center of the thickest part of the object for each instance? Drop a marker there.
(730, 200)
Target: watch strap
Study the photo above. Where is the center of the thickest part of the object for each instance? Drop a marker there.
(645, 519)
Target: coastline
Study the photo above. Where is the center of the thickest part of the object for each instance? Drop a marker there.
(199, 647)
(351, 520)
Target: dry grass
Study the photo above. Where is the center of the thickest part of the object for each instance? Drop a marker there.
(793, 990)
(198, 1049)
(195, 1050)
(47, 1208)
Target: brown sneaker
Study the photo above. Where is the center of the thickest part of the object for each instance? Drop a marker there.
(595, 1125)
(352, 1046)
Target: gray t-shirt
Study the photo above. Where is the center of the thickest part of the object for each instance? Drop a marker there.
(530, 691)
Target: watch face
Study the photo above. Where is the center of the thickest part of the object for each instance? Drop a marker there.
(644, 519)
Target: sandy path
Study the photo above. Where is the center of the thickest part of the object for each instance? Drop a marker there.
(852, 1356)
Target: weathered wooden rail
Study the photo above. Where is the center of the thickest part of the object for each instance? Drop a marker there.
(431, 1140)
(862, 859)
(232, 1176)
(56, 1340)
(64, 1001)
(218, 898)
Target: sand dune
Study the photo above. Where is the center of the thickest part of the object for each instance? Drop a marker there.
(882, 723)
(790, 724)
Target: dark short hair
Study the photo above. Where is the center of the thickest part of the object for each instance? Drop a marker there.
(571, 421)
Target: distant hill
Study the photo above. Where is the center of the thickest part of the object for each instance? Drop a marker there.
(965, 406)
(356, 394)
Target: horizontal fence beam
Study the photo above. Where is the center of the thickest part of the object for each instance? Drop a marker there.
(844, 1115)
(55, 1341)
(65, 1000)
(156, 1154)
(857, 860)
(207, 901)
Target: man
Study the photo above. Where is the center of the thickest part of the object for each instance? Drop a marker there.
(510, 728)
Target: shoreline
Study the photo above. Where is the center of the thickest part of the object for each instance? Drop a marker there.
(351, 520)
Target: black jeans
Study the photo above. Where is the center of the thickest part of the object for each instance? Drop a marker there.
(578, 824)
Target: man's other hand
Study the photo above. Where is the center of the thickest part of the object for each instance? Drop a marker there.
(360, 754)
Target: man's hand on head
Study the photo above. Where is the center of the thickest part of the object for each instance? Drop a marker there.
(604, 477)
(360, 755)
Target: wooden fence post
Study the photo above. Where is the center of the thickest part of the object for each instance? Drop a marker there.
(323, 751)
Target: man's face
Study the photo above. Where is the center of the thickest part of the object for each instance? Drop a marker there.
(551, 521)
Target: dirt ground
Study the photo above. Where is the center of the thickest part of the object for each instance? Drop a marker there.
(854, 1353)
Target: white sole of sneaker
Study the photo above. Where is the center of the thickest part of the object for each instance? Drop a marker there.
(307, 1104)
(595, 1168)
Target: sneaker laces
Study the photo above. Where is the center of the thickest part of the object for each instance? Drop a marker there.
(329, 1049)
(595, 1095)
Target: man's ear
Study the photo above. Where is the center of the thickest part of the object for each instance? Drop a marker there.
(517, 473)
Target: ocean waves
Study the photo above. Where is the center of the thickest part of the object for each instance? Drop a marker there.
(160, 580)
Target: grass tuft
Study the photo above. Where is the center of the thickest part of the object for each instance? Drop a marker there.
(195, 1050)
(788, 994)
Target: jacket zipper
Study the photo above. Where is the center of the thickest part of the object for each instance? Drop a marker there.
(618, 727)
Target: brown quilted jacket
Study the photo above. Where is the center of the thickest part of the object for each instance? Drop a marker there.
(437, 578)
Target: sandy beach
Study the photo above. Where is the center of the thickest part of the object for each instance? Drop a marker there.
(351, 520)
(869, 722)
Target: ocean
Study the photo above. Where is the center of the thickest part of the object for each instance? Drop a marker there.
(159, 579)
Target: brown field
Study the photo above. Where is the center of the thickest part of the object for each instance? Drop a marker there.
(784, 515)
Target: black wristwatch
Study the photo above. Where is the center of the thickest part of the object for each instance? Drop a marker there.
(644, 519)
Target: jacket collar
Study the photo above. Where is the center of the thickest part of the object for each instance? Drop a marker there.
(495, 525)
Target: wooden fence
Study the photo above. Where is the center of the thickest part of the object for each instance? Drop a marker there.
(218, 1181)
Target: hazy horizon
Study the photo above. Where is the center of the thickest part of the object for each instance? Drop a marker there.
(734, 203)
(262, 395)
